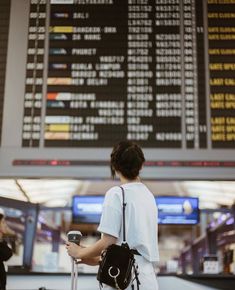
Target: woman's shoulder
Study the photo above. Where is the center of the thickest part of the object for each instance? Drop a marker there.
(115, 190)
(113, 197)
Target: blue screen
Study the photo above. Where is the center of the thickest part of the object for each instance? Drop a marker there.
(171, 209)
(87, 209)
(177, 210)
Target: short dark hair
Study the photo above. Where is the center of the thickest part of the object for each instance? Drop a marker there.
(127, 158)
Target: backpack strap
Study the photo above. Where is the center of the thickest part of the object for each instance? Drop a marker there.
(135, 252)
(123, 214)
(136, 277)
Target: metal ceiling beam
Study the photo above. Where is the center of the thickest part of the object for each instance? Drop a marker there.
(22, 190)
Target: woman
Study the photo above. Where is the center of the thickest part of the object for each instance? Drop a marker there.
(127, 160)
(5, 251)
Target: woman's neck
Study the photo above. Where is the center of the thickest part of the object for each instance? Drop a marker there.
(125, 180)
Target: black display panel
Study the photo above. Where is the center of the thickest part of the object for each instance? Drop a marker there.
(83, 74)
(4, 26)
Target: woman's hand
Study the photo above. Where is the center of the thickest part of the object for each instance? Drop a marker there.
(79, 252)
(74, 250)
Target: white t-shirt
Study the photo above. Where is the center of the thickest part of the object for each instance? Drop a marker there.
(140, 217)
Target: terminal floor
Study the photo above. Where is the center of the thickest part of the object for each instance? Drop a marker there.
(63, 282)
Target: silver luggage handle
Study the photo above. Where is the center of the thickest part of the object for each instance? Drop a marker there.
(74, 237)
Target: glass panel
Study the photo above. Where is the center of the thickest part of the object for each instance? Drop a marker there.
(16, 222)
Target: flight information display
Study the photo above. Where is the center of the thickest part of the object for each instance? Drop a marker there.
(171, 209)
(82, 75)
(4, 24)
(177, 210)
(87, 209)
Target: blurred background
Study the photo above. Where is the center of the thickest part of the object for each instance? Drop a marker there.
(51, 208)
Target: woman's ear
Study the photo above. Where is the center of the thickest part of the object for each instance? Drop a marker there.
(117, 173)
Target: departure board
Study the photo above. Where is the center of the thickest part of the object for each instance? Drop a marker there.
(82, 75)
(4, 24)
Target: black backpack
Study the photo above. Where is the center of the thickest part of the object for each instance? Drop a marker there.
(117, 264)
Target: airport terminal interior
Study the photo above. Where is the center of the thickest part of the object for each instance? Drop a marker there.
(78, 77)
(187, 243)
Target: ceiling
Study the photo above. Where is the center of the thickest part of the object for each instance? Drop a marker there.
(59, 192)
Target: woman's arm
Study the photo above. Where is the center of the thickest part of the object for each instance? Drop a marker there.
(90, 261)
(95, 250)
